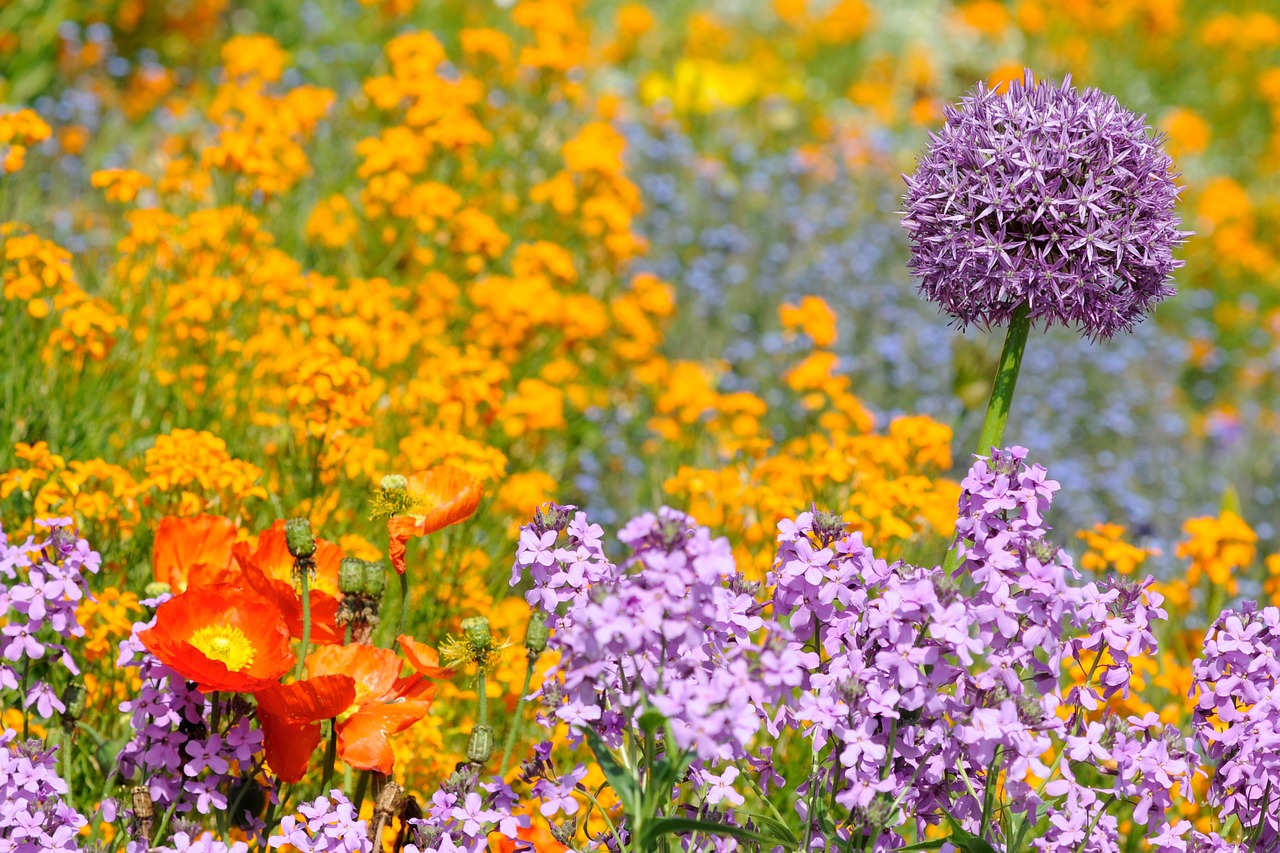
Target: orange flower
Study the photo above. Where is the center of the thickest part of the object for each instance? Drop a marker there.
(384, 703)
(222, 638)
(193, 551)
(441, 496)
(268, 568)
(290, 717)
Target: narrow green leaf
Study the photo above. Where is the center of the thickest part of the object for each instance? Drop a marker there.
(622, 782)
(678, 825)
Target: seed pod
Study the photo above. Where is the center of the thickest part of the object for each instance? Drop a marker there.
(299, 538)
(375, 579)
(480, 745)
(155, 589)
(537, 634)
(394, 482)
(74, 698)
(476, 630)
(351, 576)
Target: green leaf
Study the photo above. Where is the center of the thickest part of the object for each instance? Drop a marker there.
(965, 840)
(775, 826)
(651, 720)
(924, 845)
(620, 779)
(677, 825)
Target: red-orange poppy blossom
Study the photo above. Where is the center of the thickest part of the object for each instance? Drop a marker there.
(193, 551)
(290, 717)
(268, 568)
(442, 496)
(222, 638)
(385, 704)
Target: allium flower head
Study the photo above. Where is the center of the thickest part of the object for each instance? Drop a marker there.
(1047, 197)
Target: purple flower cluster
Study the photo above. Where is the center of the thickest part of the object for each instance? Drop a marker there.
(1046, 199)
(930, 685)
(42, 582)
(324, 825)
(462, 814)
(173, 750)
(669, 630)
(33, 815)
(1237, 718)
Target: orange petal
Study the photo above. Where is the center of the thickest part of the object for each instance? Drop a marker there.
(193, 551)
(374, 670)
(288, 745)
(317, 698)
(362, 739)
(422, 657)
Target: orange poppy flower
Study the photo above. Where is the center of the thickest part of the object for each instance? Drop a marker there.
(424, 659)
(442, 496)
(384, 702)
(193, 551)
(222, 638)
(290, 715)
(268, 568)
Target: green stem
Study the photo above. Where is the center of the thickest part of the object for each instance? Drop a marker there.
(306, 622)
(483, 697)
(361, 787)
(404, 604)
(164, 822)
(330, 756)
(517, 719)
(1088, 833)
(1002, 388)
(26, 713)
(215, 716)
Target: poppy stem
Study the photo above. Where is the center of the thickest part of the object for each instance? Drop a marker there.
(518, 718)
(361, 787)
(306, 622)
(215, 716)
(1002, 388)
(330, 755)
(404, 603)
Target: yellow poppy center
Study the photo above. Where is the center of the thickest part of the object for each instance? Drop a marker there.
(226, 644)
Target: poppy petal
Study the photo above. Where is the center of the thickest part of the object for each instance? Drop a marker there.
(314, 699)
(362, 739)
(288, 745)
(422, 657)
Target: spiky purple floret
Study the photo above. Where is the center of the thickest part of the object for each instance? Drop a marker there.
(1047, 197)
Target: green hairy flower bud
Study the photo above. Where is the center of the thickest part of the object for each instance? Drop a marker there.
(480, 745)
(299, 538)
(537, 634)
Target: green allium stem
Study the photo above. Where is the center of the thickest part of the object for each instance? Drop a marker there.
(1002, 388)
(517, 719)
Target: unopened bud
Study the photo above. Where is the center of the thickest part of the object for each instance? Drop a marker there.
(537, 634)
(480, 745)
(74, 698)
(476, 630)
(299, 538)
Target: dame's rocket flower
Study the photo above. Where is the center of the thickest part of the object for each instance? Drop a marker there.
(1047, 199)
(222, 638)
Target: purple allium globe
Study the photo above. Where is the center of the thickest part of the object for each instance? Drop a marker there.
(1046, 197)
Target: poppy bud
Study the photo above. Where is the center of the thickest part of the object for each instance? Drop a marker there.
(537, 634)
(476, 630)
(480, 745)
(299, 538)
(74, 698)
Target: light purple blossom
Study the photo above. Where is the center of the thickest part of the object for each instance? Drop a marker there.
(1048, 199)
